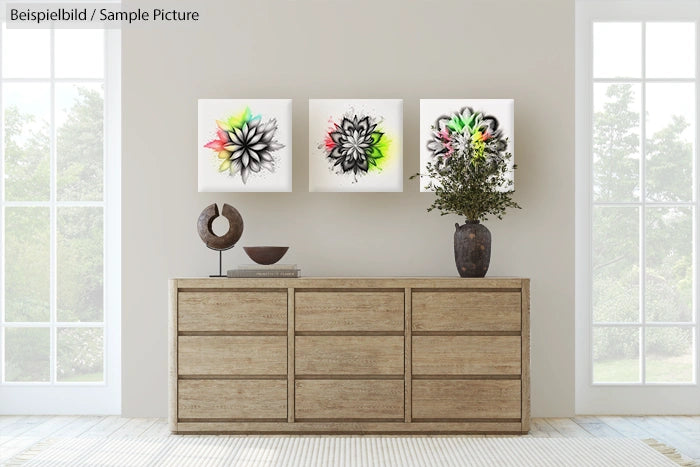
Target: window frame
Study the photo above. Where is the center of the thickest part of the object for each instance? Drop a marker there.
(640, 397)
(56, 397)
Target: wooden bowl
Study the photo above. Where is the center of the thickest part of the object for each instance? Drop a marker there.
(265, 254)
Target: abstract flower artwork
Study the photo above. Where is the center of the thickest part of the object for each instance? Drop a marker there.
(450, 126)
(355, 145)
(245, 145)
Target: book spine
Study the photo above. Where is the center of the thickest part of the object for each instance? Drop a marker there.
(256, 273)
(268, 267)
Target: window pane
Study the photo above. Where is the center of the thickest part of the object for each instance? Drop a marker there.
(27, 141)
(669, 355)
(670, 50)
(669, 268)
(80, 354)
(616, 142)
(79, 269)
(26, 53)
(27, 234)
(615, 264)
(79, 145)
(89, 63)
(27, 354)
(617, 50)
(670, 136)
(615, 355)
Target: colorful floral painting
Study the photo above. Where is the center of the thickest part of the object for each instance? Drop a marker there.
(450, 126)
(355, 145)
(245, 145)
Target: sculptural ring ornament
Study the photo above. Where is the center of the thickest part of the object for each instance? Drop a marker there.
(223, 242)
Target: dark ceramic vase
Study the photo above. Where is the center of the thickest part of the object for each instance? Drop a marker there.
(472, 249)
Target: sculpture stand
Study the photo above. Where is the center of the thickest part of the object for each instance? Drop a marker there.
(221, 272)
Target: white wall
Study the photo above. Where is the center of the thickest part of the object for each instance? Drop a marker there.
(353, 49)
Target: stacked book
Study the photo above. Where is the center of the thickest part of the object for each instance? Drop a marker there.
(260, 270)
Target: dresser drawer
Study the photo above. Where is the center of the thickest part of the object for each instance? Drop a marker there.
(349, 399)
(466, 399)
(466, 355)
(232, 355)
(232, 311)
(349, 355)
(465, 311)
(349, 311)
(240, 399)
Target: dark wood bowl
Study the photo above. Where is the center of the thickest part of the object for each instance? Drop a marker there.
(265, 254)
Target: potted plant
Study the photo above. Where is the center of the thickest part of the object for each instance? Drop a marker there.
(469, 173)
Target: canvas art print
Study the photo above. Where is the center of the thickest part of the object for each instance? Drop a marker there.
(449, 125)
(355, 145)
(245, 145)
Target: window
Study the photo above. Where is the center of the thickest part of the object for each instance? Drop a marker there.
(637, 224)
(59, 194)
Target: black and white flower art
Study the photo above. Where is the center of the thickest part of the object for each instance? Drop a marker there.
(453, 126)
(249, 150)
(355, 145)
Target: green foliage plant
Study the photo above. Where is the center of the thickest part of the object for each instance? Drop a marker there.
(469, 169)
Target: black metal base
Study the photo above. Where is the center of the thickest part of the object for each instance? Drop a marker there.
(221, 271)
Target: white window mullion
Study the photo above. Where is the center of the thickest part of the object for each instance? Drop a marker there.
(642, 212)
(52, 215)
(57, 80)
(2, 218)
(647, 80)
(105, 225)
(696, 215)
(112, 199)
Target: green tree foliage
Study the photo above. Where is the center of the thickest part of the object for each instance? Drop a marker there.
(468, 185)
(79, 244)
(470, 190)
(27, 354)
(27, 156)
(616, 262)
(616, 147)
(79, 149)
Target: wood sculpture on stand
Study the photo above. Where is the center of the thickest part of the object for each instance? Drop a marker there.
(223, 242)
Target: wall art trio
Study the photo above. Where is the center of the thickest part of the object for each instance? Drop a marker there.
(355, 145)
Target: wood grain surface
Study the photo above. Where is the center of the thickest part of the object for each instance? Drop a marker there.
(347, 355)
(466, 355)
(349, 311)
(456, 399)
(232, 355)
(232, 311)
(214, 399)
(349, 399)
(466, 311)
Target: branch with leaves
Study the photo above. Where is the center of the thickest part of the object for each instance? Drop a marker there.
(469, 170)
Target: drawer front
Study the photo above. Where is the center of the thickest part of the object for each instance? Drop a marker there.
(349, 355)
(349, 399)
(466, 311)
(466, 399)
(232, 355)
(232, 311)
(466, 355)
(349, 311)
(240, 399)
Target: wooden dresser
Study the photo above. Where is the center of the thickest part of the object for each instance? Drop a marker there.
(350, 355)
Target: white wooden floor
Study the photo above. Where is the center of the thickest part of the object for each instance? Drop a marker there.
(18, 433)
